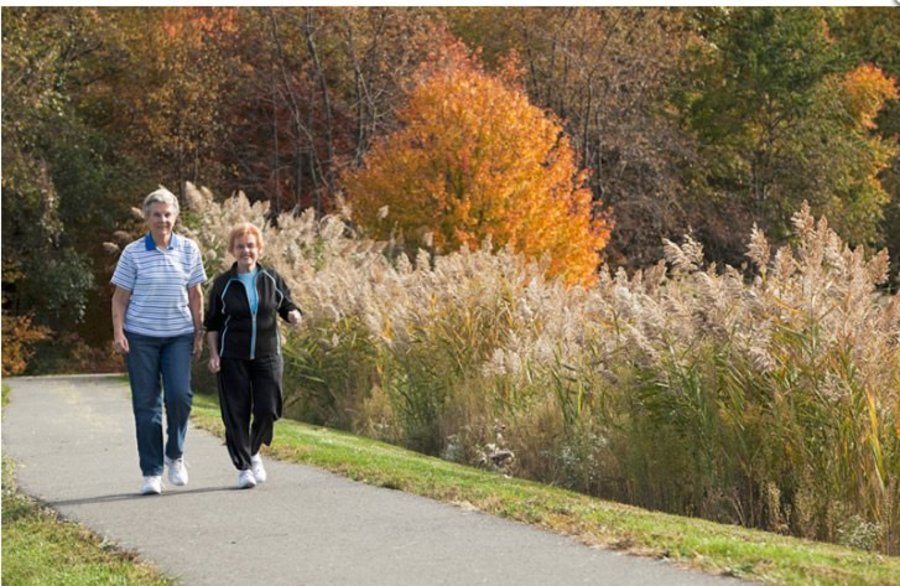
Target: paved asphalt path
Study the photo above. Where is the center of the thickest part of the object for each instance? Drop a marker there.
(73, 442)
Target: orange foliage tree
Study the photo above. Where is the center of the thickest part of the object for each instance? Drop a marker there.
(19, 338)
(474, 159)
(866, 90)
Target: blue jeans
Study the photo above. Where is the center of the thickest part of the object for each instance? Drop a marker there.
(149, 357)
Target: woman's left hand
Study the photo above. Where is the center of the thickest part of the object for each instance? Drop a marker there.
(294, 317)
(198, 344)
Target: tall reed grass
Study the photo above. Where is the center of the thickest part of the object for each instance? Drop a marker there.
(770, 402)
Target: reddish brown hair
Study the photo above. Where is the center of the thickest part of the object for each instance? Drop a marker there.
(242, 230)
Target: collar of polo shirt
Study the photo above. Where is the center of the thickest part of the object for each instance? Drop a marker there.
(151, 245)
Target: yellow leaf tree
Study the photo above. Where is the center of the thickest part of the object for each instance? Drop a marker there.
(474, 159)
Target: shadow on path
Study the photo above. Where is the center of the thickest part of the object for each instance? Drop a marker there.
(137, 496)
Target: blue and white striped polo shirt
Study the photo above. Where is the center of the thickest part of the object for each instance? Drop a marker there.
(159, 280)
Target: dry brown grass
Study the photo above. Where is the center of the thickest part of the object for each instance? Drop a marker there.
(771, 402)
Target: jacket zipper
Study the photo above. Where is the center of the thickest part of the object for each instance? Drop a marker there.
(252, 314)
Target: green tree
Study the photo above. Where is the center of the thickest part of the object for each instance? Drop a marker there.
(872, 35)
(66, 183)
(41, 55)
(773, 109)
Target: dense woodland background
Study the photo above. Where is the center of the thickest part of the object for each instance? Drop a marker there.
(691, 119)
(636, 252)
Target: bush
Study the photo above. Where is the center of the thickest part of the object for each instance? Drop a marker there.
(19, 339)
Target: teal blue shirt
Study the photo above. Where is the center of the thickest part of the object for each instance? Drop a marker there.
(248, 280)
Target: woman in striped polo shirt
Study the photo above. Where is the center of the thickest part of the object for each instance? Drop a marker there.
(157, 312)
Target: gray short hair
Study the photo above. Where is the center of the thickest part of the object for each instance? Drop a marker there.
(161, 195)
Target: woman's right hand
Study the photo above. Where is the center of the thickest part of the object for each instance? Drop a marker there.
(214, 364)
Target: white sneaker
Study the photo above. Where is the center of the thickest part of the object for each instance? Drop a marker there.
(152, 485)
(259, 471)
(178, 474)
(246, 479)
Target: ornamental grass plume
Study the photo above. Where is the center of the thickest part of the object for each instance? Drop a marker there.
(685, 387)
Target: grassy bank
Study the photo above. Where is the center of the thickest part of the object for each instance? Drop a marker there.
(41, 548)
(715, 548)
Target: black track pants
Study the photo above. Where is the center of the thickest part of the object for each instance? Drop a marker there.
(249, 387)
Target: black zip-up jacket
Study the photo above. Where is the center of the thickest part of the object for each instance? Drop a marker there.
(242, 334)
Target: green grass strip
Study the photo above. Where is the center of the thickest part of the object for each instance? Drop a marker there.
(41, 548)
(694, 543)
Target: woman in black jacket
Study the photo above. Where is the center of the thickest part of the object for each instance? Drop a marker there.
(245, 350)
